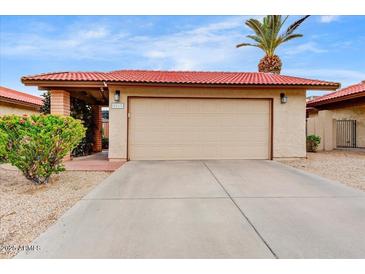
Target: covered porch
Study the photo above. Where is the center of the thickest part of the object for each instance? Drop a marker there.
(96, 96)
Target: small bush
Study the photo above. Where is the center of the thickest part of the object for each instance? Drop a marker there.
(105, 143)
(37, 144)
(312, 142)
(83, 148)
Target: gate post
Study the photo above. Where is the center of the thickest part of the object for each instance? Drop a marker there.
(334, 133)
(327, 125)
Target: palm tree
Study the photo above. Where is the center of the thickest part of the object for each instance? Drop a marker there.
(268, 38)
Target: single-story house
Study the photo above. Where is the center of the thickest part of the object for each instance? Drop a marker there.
(176, 115)
(16, 102)
(339, 118)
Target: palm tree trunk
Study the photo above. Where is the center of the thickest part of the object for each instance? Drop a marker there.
(270, 64)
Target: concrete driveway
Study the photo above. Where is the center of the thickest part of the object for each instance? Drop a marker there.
(210, 209)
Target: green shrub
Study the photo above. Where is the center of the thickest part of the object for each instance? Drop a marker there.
(79, 110)
(312, 142)
(37, 144)
(3, 138)
(105, 143)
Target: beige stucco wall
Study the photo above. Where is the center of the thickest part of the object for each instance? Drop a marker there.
(323, 124)
(6, 108)
(289, 118)
(312, 124)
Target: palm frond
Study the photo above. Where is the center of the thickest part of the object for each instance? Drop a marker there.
(295, 25)
(291, 36)
(259, 29)
(283, 22)
(247, 44)
(267, 33)
(256, 26)
(255, 38)
(273, 31)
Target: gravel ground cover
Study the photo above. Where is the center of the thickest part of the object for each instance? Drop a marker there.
(345, 166)
(27, 210)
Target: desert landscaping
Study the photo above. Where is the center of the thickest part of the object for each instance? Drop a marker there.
(26, 210)
(345, 166)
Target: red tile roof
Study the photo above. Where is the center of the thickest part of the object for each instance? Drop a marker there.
(339, 95)
(21, 97)
(183, 77)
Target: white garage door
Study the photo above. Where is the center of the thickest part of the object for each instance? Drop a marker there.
(177, 129)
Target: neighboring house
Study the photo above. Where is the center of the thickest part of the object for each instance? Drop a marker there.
(15, 102)
(339, 118)
(175, 115)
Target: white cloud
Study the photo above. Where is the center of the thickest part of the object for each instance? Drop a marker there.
(155, 54)
(329, 18)
(344, 76)
(198, 47)
(201, 47)
(95, 33)
(305, 47)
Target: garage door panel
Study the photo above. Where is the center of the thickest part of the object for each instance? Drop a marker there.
(198, 129)
(209, 151)
(198, 137)
(189, 106)
(235, 136)
(199, 120)
(174, 152)
(176, 137)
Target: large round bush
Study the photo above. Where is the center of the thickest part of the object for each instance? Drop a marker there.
(37, 144)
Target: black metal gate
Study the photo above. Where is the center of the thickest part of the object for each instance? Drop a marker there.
(346, 133)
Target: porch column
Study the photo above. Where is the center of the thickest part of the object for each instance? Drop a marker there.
(60, 102)
(97, 130)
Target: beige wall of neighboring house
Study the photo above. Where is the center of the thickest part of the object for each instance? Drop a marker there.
(6, 108)
(288, 130)
(323, 124)
(353, 113)
(18, 103)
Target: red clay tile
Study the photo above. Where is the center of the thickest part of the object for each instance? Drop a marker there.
(20, 96)
(342, 93)
(182, 77)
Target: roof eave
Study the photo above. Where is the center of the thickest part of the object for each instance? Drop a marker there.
(20, 102)
(43, 84)
(338, 99)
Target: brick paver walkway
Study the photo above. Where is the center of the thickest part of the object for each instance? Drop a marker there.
(95, 162)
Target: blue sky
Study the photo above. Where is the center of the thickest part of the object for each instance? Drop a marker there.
(332, 47)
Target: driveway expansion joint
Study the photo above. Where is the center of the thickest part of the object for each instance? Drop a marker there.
(152, 198)
(299, 197)
(241, 211)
